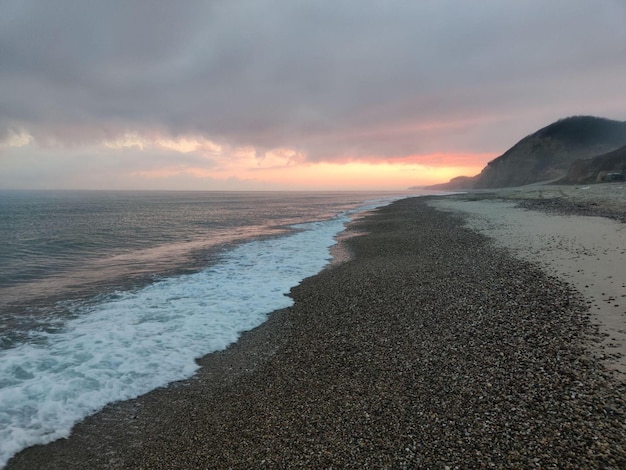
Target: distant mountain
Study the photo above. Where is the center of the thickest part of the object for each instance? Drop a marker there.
(606, 167)
(460, 182)
(548, 153)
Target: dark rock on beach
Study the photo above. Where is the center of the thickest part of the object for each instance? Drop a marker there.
(431, 348)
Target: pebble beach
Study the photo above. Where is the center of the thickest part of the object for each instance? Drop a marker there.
(428, 347)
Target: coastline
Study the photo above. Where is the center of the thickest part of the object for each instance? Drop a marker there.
(429, 347)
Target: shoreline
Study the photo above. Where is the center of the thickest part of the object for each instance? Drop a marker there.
(429, 347)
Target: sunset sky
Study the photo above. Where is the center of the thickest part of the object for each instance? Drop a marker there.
(289, 94)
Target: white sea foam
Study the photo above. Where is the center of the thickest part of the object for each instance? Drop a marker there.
(137, 341)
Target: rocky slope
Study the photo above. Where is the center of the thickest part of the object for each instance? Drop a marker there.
(607, 167)
(548, 153)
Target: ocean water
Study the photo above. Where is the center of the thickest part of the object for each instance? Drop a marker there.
(105, 296)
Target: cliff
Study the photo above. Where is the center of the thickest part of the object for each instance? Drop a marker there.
(607, 167)
(548, 153)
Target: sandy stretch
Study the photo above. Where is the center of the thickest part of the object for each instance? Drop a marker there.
(587, 251)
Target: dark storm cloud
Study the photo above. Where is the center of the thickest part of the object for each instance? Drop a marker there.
(329, 78)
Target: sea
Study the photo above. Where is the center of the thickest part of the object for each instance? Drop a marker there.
(105, 296)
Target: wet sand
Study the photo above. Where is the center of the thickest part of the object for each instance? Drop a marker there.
(432, 347)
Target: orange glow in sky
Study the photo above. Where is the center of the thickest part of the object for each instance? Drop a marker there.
(287, 169)
(359, 175)
(333, 176)
(196, 163)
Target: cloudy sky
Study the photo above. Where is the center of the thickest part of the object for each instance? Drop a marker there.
(292, 94)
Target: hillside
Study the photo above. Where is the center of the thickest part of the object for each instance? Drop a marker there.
(460, 182)
(548, 153)
(601, 168)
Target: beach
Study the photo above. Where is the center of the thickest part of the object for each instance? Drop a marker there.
(438, 341)
(574, 232)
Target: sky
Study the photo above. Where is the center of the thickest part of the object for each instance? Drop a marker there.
(292, 94)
